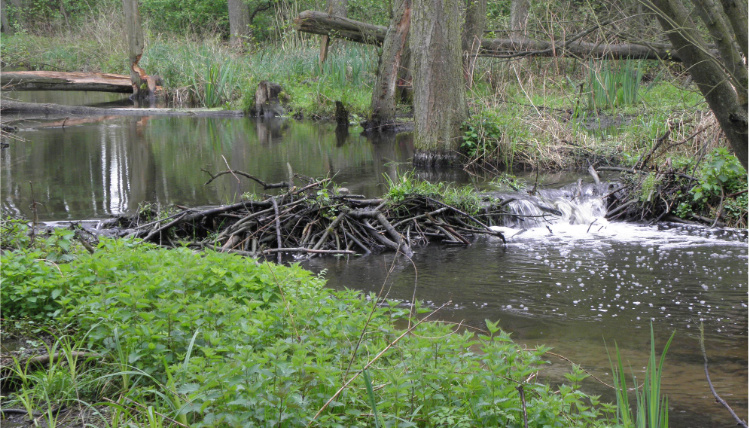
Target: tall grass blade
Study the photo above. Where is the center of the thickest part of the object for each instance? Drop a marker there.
(370, 394)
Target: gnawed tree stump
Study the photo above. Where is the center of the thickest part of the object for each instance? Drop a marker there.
(267, 103)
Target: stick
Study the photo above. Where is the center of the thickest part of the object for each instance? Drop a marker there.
(278, 226)
(738, 420)
(328, 229)
(164, 227)
(234, 172)
(522, 402)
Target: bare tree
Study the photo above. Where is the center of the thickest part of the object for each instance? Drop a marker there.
(722, 78)
(390, 67)
(439, 95)
(239, 22)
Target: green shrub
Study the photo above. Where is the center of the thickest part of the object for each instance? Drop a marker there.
(212, 339)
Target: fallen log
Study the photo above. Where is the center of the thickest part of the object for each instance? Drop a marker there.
(8, 107)
(65, 81)
(322, 23)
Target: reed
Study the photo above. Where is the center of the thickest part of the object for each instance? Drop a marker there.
(651, 408)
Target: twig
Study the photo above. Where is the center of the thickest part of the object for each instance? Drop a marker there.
(522, 403)
(738, 420)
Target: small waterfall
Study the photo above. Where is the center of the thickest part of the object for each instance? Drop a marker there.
(575, 204)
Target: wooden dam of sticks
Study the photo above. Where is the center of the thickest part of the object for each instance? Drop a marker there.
(312, 218)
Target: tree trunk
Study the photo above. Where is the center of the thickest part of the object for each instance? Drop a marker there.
(736, 12)
(135, 46)
(712, 14)
(710, 77)
(239, 22)
(473, 32)
(6, 28)
(439, 93)
(519, 18)
(335, 8)
(385, 87)
(315, 22)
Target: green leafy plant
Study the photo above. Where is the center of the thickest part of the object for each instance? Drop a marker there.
(721, 173)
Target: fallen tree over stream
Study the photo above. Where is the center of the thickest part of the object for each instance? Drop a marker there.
(313, 218)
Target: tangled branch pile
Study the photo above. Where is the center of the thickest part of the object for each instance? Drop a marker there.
(313, 218)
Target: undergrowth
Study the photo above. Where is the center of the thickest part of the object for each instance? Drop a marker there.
(210, 339)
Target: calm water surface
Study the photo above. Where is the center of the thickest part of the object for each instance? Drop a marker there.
(572, 288)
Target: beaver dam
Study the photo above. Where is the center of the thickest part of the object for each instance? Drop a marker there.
(311, 217)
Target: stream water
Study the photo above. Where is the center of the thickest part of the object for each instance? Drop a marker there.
(575, 285)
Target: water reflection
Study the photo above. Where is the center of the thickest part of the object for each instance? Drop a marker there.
(104, 166)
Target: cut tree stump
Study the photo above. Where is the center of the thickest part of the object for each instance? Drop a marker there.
(266, 100)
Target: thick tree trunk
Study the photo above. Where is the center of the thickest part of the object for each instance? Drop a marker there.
(473, 31)
(335, 8)
(439, 95)
(710, 77)
(391, 60)
(321, 23)
(59, 81)
(519, 18)
(239, 22)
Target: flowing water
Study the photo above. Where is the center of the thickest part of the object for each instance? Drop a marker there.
(577, 283)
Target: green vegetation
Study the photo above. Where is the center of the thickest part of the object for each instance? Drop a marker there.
(615, 85)
(408, 185)
(651, 409)
(210, 339)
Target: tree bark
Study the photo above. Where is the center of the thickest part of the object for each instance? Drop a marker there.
(59, 81)
(439, 95)
(239, 22)
(391, 60)
(135, 44)
(335, 8)
(6, 28)
(315, 22)
(519, 18)
(710, 77)
(712, 14)
(473, 31)
(736, 12)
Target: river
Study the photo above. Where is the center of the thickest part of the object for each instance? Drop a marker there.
(575, 287)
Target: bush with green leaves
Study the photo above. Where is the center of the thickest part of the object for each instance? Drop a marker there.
(211, 339)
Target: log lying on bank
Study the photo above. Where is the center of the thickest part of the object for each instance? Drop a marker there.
(322, 23)
(309, 218)
(8, 107)
(64, 81)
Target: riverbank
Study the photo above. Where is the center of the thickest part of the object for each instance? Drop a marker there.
(161, 337)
